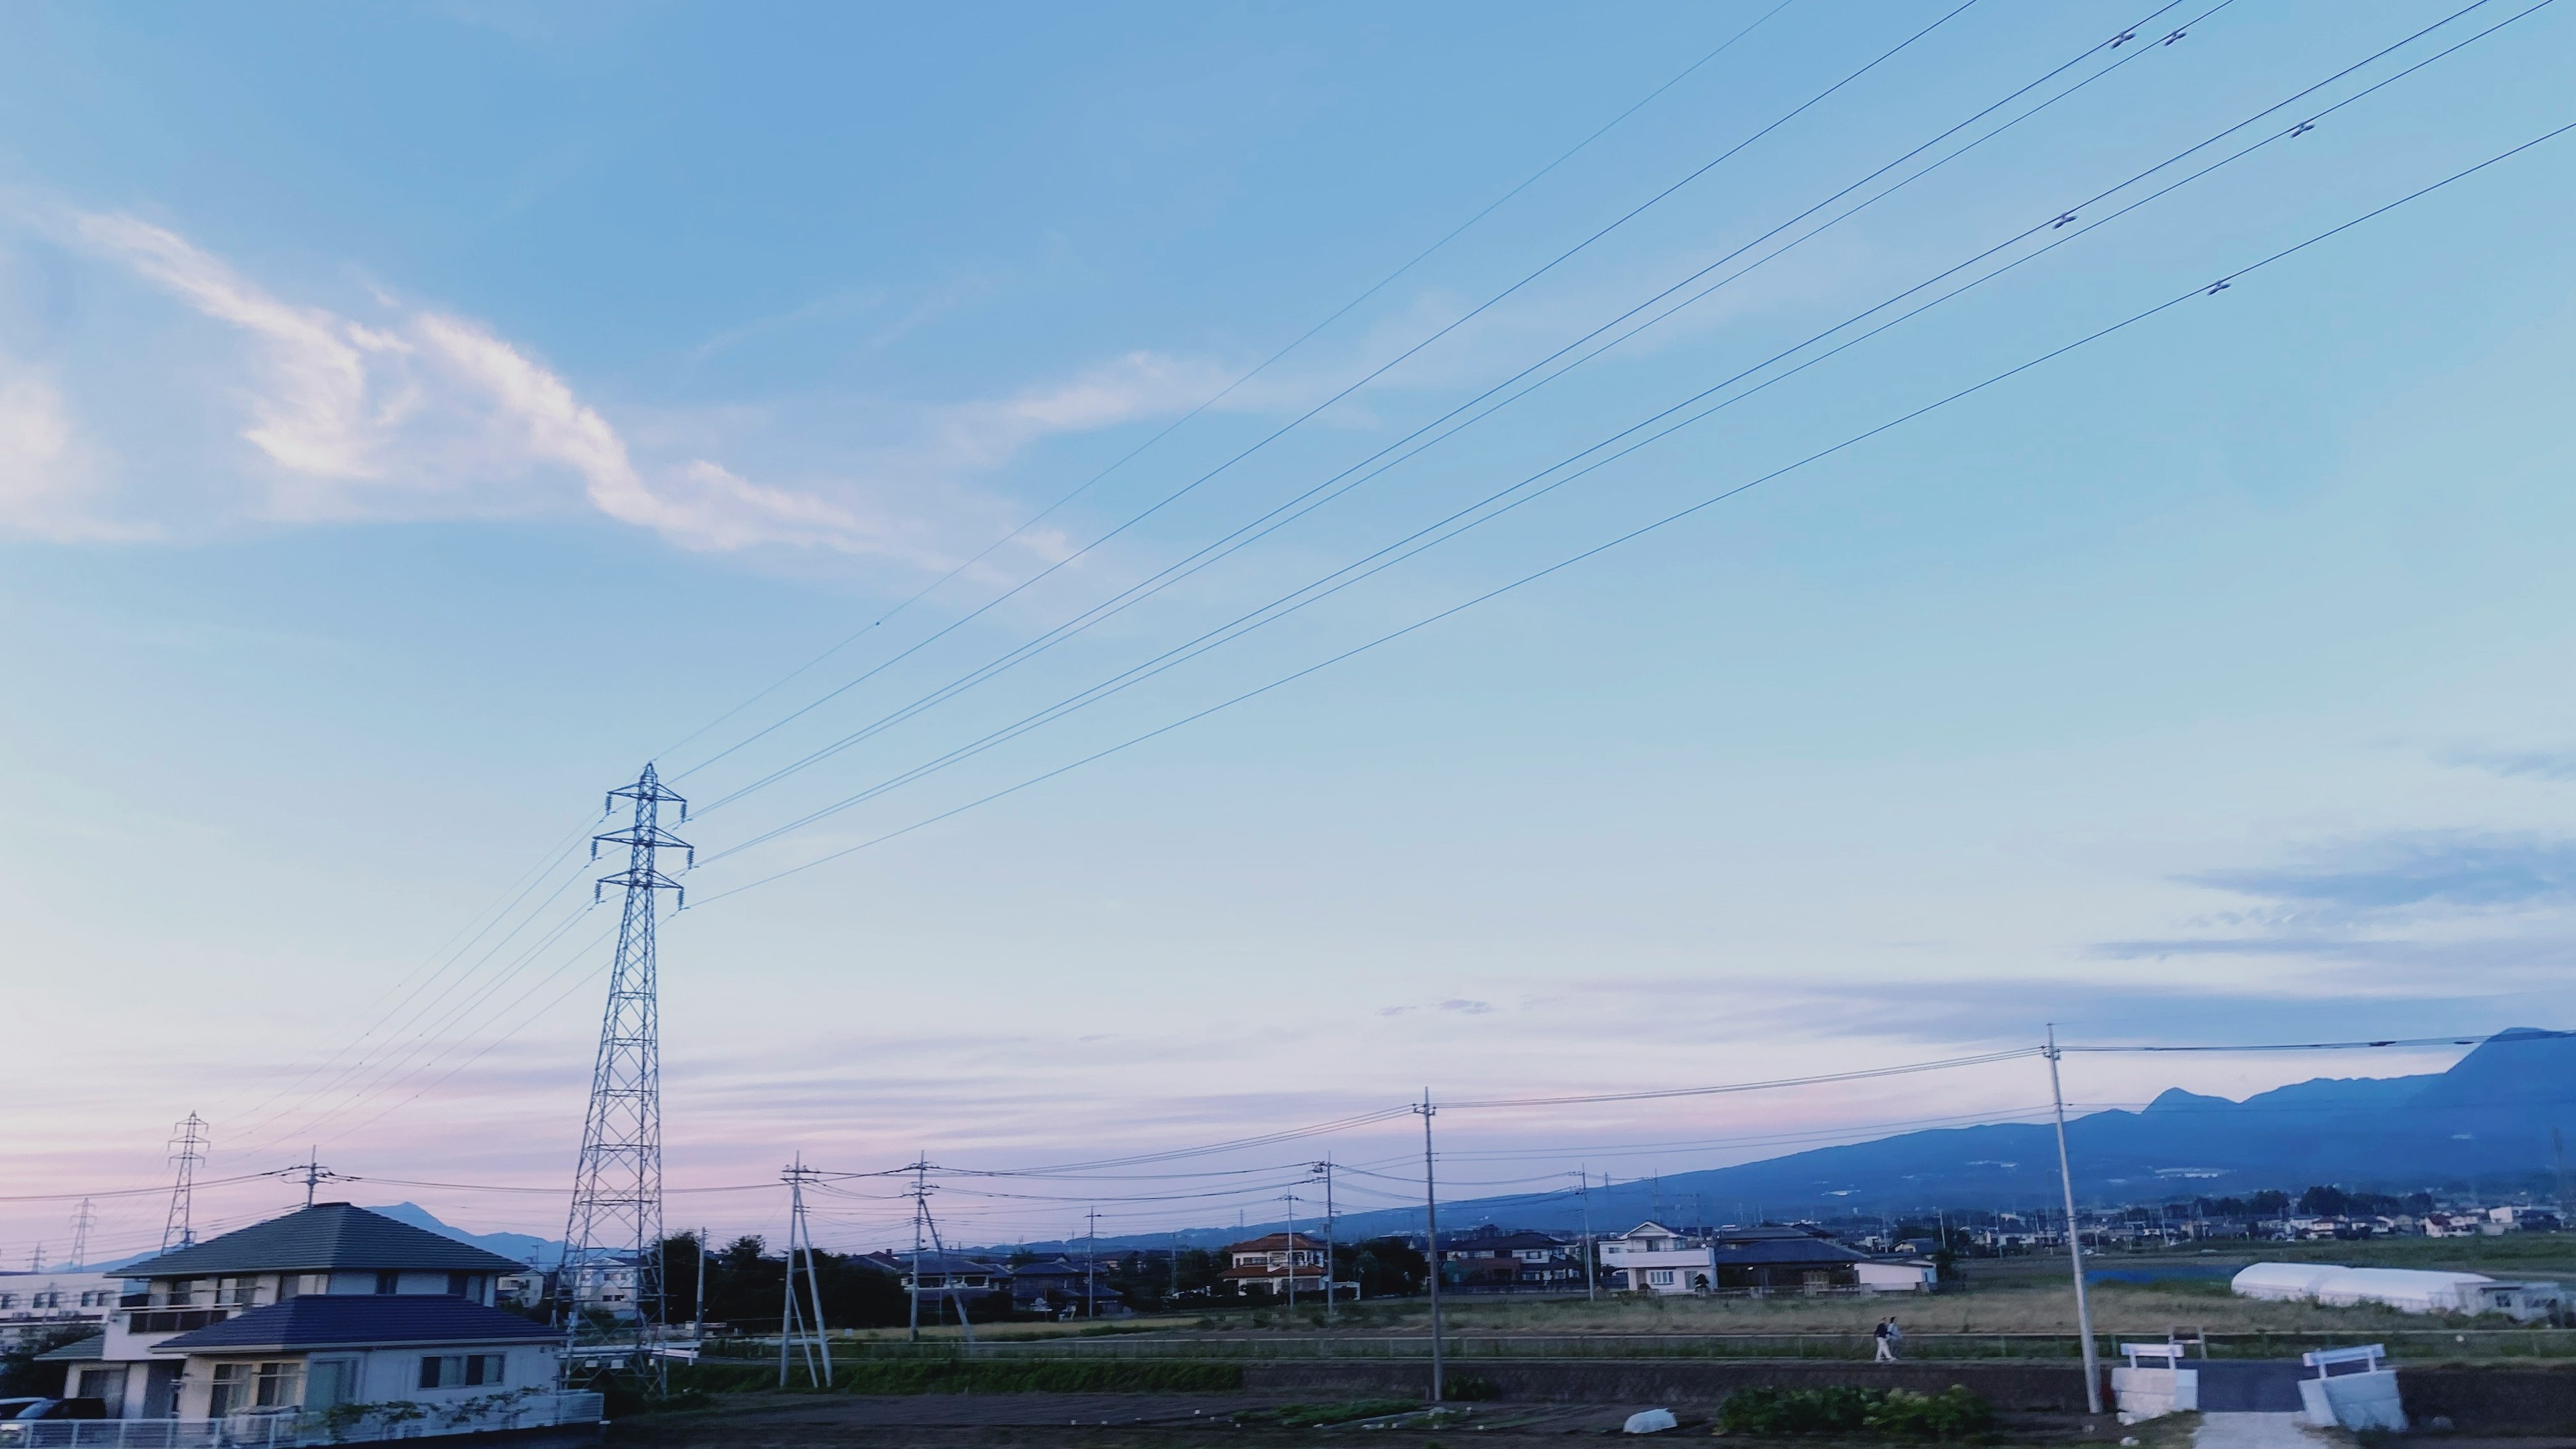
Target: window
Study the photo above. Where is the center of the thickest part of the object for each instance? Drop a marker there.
(456, 1287)
(456, 1371)
(1660, 1277)
(226, 1394)
(278, 1384)
(105, 1384)
(8, 1300)
(388, 1281)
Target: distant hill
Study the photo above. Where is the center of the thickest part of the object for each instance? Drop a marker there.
(523, 1247)
(2489, 1118)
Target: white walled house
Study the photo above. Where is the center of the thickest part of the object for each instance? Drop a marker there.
(328, 1306)
(38, 1302)
(1652, 1258)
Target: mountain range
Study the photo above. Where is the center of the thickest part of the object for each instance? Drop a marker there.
(2494, 1119)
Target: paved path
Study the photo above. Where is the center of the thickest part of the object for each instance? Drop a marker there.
(2253, 1431)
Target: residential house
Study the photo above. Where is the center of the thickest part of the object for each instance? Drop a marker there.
(971, 1284)
(1653, 1258)
(1063, 1288)
(1490, 1257)
(36, 1303)
(1278, 1264)
(326, 1306)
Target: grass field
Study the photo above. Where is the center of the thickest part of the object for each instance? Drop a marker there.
(2020, 1307)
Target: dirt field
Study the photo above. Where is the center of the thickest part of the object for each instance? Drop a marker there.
(1164, 1421)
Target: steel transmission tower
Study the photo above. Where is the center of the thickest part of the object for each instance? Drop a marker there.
(617, 1190)
(187, 1149)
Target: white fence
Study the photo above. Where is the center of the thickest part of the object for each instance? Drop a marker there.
(293, 1429)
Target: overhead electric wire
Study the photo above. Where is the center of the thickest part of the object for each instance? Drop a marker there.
(1482, 307)
(411, 1052)
(1304, 503)
(1313, 592)
(1629, 536)
(517, 892)
(1229, 389)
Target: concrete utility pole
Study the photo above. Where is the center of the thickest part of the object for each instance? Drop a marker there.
(2074, 1239)
(1591, 1287)
(920, 1167)
(1431, 1237)
(1292, 1250)
(314, 1172)
(811, 1344)
(1091, 1270)
(1326, 1167)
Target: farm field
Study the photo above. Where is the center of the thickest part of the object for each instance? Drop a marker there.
(2011, 1308)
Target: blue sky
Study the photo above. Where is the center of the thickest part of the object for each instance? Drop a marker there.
(412, 419)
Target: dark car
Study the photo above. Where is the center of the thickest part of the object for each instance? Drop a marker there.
(36, 1409)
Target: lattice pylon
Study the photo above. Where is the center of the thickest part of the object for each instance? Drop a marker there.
(617, 1188)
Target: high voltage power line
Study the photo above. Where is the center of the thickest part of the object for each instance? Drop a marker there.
(1230, 388)
(560, 930)
(1410, 445)
(2211, 288)
(574, 838)
(547, 941)
(1402, 549)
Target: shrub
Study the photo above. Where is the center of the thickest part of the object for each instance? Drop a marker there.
(1762, 1409)
(1837, 1409)
(1950, 1414)
(1467, 1388)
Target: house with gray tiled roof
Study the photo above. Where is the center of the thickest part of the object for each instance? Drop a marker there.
(289, 1319)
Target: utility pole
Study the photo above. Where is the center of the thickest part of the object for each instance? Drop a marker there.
(698, 1301)
(617, 1184)
(83, 1219)
(2074, 1239)
(314, 1173)
(1091, 1269)
(187, 1149)
(811, 1345)
(1176, 1267)
(1431, 1237)
(1292, 1250)
(920, 1208)
(1591, 1288)
(1326, 1167)
(948, 1279)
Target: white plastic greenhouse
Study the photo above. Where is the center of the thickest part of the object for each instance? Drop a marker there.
(2408, 1290)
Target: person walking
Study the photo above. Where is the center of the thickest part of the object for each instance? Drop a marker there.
(1885, 1336)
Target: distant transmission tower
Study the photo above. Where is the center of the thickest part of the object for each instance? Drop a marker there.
(84, 1218)
(617, 1190)
(187, 1149)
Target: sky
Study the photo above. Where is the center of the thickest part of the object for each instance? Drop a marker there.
(416, 418)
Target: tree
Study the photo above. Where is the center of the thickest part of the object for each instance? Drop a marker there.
(1383, 1266)
(21, 1375)
(2325, 1201)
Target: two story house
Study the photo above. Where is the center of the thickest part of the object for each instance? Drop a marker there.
(1277, 1263)
(325, 1306)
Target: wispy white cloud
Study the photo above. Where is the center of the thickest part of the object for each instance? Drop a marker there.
(49, 473)
(416, 411)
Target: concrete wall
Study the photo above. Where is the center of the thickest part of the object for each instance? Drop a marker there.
(2491, 1400)
(2043, 1388)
